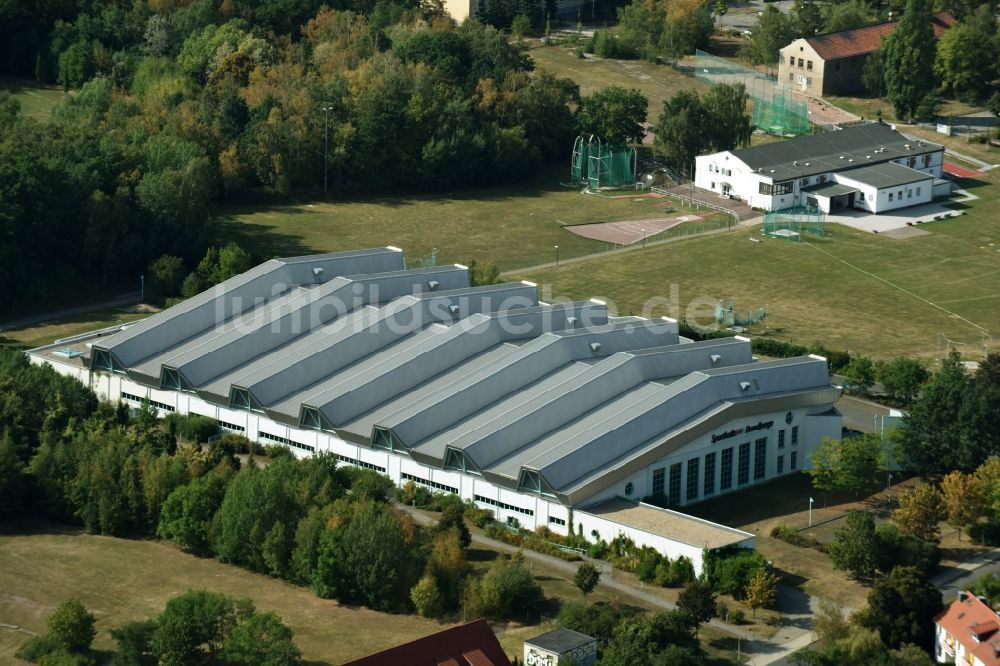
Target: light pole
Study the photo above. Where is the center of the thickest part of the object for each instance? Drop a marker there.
(557, 256)
(142, 288)
(810, 512)
(326, 145)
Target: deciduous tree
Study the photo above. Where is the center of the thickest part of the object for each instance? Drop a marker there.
(762, 591)
(854, 546)
(909, 59)
(615, 114)
(586, 578)
(920, 511)
(964, 498)
(901, 607)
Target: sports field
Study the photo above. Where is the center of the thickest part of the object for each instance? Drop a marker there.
(36, 100)
(849, 290)
(514, 225)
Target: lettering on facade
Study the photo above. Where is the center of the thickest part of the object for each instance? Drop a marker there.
(535, 659)
(736, 432)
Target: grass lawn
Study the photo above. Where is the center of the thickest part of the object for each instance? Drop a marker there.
(36, 99)
(121, 580)
(923, 284)
(868, 107)
(50, 331)
(514, 225)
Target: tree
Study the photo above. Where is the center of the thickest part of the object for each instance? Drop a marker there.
(520, 26)
(966, 61)
(873, 78)
(426, 597)
(852, 464)
(186, 518)
(507, 590)
(697, 600)
(721, 7)
(261, 640)
(902, 378)
(854, 547)
(615, 114)
(909, 59)
(679, 134)
(729, 120)
(762, 591)
(829, 622)
(586, 578)
(989, 587)
(964, 500)
(895, 549)
(771, 33)
(194, 626)
(838, 16)
(72, 627)
(902, 607)
(860, 371)
(135, 641)
(808, 18)
(13, 483)
(920, 511)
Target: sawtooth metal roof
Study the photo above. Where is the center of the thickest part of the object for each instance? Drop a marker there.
(836, 150)
(442, 369)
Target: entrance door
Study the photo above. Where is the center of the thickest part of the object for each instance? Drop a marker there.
(726, 189)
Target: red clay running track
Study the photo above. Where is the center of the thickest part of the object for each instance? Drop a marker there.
(961, 172)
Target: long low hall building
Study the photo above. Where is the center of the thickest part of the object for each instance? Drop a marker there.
(556, 415)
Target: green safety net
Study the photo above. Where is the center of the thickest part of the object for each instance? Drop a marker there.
(791, 223)
(602, 165)
(775, 109)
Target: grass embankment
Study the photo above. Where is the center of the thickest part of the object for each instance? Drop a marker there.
(47, 332)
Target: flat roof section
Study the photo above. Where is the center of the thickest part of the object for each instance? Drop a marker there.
(829, 189)
(560, 640)
(668, 524)
(887, 174)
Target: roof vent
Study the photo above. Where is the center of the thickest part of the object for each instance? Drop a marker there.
(868, 157)
(595, 347)
(808, 164)
(433, 285)
(453, 309)
(851, 159)
(570, 322)
(744, 386)
(772, 170)
(841, 157)
(715, 358)
(318, 273)
(795, 162)
(906, 145)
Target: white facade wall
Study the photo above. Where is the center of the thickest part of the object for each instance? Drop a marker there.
(610, 530)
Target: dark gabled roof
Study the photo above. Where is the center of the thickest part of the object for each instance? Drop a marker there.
(560, 640)
(831, 151)
(887, 174)
(847, 43)
(472, 644)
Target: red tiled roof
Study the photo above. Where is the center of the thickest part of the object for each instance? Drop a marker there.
(968, 617)
(472, 644)
(835, 45)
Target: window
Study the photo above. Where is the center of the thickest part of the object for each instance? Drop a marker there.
(311, 419)
(629, 489)
(231, 427)
(918, 190)
(870, 197)
(457, 461)
(658, 475)
(713, 185)
(675, 482)
(795, 435)
(809, 80)
(360, 463)
(822, 178)
(501, 505)
(743, 465)
(909, 193)
(783, 188)
(803, 182)
(781, 438)
(890, 196)
(791, 76)
(153, 403)
(382, 439)
(557, 521)
(912, 162)
(927, 159)
(708, 486)
(171, 379)
(429, 484)
(726, 473)
(800, 63)
(759, 459)
(266, 436)
(765, 188)
(899, 195)
(692, 479)
(809, 65)
(793, 460)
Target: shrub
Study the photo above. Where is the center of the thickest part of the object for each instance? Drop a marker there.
(729, 571)
(478, 517)
(791, 535)
(413, 495)
(721, 610)
(646, 568)
(192, 427)
(736, 616)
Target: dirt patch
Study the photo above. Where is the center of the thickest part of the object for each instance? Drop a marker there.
(905, 232)
(629, 232)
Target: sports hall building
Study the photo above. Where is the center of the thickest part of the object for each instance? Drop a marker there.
(556, 415)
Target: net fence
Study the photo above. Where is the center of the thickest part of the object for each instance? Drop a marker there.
(602, 165)
(775, 110)
(791, 223)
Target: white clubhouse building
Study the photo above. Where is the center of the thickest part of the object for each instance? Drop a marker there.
(869, 167)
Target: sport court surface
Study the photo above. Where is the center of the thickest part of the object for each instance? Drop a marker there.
(961, 172)
(629, 232)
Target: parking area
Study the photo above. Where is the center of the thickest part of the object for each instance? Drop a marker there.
(894, 221)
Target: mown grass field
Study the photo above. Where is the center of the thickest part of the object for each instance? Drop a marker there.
(35, 99)
(849, 290)
(514, 225)
(47, 332)
(121, 580)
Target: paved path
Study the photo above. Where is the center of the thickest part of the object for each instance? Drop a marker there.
(953, 579)
(797, 607)
(118, 301)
